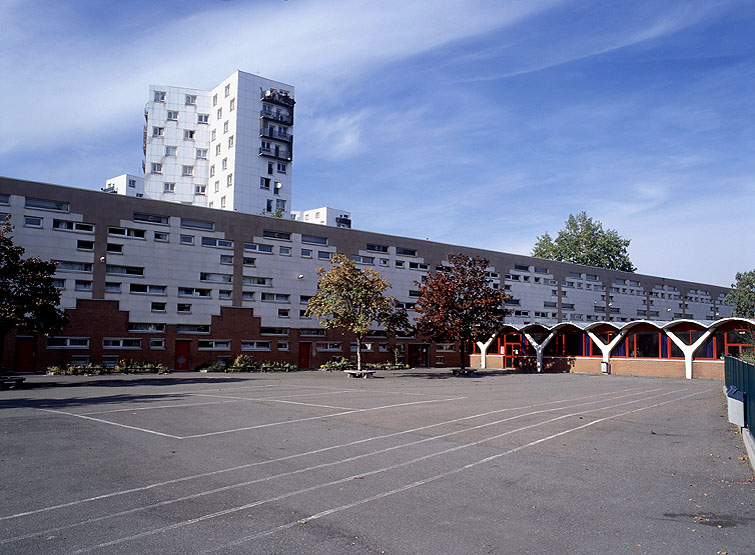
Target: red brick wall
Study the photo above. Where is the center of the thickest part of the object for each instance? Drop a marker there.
(97, 319)
(708, 369)
(659, 368)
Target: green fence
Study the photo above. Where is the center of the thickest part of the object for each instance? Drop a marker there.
(742, 375)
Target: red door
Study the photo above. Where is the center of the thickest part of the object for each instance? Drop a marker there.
(182, 353)
(25, 351)
(304, 350)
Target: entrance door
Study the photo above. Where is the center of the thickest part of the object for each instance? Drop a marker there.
(417, 354)
(512, 348)
(304, 350)
(182, 353)
(25, 351)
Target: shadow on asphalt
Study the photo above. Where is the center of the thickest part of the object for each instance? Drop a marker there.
(127, 380)
(89, 401)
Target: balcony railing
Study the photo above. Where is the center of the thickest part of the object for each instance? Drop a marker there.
(279, 118)
(277, 135)
(275, 96)
(277, 154)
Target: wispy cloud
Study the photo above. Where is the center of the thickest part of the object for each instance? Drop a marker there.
(90, 83)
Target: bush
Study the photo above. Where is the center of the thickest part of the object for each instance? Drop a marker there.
(241, 363)
(214, 367)
(96, 369)
(276, 367)
(337, 364)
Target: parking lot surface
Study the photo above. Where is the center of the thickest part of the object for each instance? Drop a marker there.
(415, 461)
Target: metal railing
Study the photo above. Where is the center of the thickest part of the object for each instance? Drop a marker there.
(742, 375)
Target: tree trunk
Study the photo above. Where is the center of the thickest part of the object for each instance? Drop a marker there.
(3, 335)
(463, 361)
(359, 353)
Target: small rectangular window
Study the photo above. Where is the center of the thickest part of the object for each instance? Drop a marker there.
(306, 253)
(406, 252)
(313, 239)
(172, 115)
(189, 134)
(203, 118)
(187, 170)
(169, 187)
(85, 245)
(32, 221)
(159, 96)
(197, 224)
(150, 218)
(158, 307)
(112, 287)
(171, 150)
(81, 285)
(183, 308)
(191, 99)
(280, 235)
(44, 204)
(124, 270)
(114, 248)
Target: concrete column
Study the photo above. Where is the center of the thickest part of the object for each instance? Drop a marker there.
(606, 349)
(688, 350)
(540, 349)
(484, 351)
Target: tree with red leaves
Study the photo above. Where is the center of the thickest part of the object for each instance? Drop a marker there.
(460, 304)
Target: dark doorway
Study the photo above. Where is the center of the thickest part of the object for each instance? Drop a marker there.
(417, 355)
(183, 348)
(304, 350)
(26, 349)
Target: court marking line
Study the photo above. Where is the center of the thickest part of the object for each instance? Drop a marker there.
(302, 454)
(378, 471)
(230, 400)
(111, 423)
(321, 417)
(424, 481)
(342, 461)
(370, 390)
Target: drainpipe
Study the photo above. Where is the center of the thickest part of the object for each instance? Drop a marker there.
(688, 350)
(606, 349)
(484, 351)
(540, 349)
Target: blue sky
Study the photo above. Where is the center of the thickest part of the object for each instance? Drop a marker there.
(481, 123)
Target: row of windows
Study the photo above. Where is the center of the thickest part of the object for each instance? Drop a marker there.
(636, 344)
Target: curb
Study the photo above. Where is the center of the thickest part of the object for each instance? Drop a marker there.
(749, 445)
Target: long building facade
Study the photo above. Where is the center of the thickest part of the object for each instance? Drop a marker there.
(186, 285)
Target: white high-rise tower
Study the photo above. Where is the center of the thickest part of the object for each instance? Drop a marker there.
(228, 148)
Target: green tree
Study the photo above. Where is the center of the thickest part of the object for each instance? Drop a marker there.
(28, 297)
(584, 241)
(742, 295)
(353, 299)
(460, 304)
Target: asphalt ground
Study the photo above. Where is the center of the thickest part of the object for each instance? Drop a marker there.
(408, 462)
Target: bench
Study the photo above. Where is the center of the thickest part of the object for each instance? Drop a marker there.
(14, 381)
(465, 372)
(360, 373)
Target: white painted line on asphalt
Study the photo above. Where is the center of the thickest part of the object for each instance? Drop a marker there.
(342, 461)
(418, 483)
(371, 473)
(322, 417)
(231, 399)
(370, 391)
(109, 422)
(312, 452)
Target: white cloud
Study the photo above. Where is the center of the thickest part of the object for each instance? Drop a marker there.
(78, 80)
